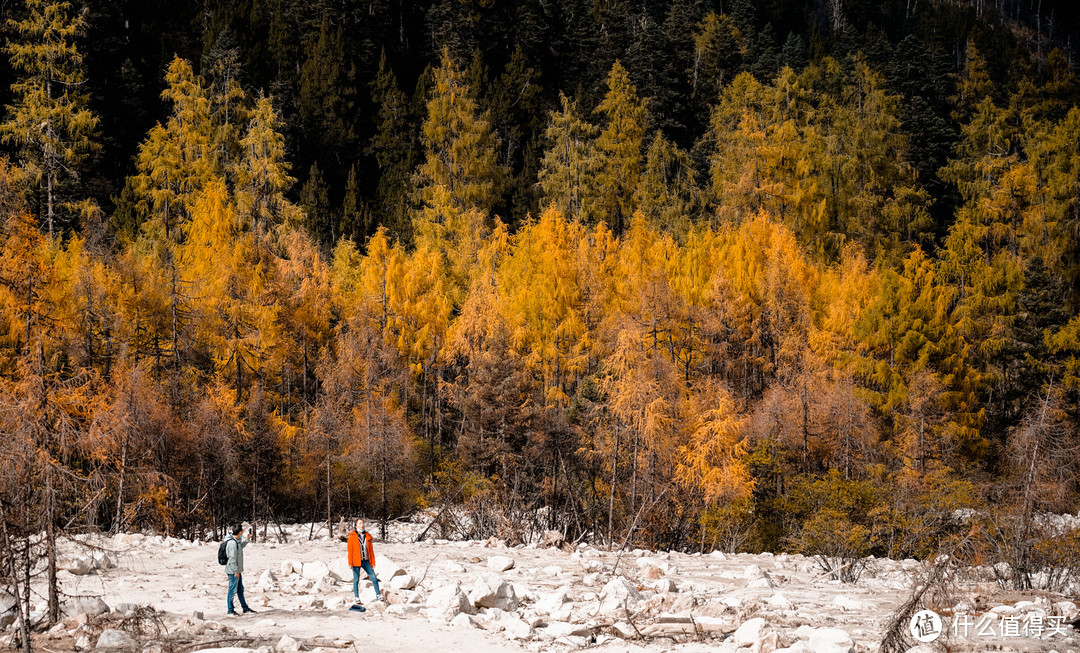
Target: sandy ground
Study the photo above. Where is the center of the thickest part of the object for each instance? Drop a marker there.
(187, 587)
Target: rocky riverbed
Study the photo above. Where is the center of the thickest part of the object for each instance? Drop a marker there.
(166, 595)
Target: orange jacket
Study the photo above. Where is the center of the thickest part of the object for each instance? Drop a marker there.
(355, 553)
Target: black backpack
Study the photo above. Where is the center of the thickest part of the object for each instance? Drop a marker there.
(222, 553)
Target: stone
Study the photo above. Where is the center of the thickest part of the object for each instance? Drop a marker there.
(86, 605)
(591, 580)
(402, 582)
(447, 602)
(309, 601)
(287, 645)
(665, 585)
(753, 572)
(749, 633)
(453, 567)
(265, 623)
(267, 582)
(516, 628)
(552, 570)
(559, 629)
(491, 591)
(718, 555)
(112, 638)
(315, 570)
(797, 647)
(617, 594)
(554, 601)
(779, 601)
(340, 569)
(126, 608)
(387, 568)
(500, 563)
(831, 640)
(850, 603)
(102, 560)
(624, 630)
(464, 621)
(762, 583)
(79, 566)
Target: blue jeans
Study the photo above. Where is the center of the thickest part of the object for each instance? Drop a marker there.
(236, 587)
(356, 579)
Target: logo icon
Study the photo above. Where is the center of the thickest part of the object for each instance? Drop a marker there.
(925, 626)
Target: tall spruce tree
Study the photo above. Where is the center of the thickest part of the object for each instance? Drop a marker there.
(50, 120)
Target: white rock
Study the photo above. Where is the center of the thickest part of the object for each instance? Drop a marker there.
(831, 640)
(464, 621)
(850, 603)
(111, 638)
(91, 605)
(551, 602)
(103, 561)
(309, 601)
(749, 633)
(797, 647)
(591, 580)
(516, 629)
(287, 645)
(559, 629)
(447, 602)
(340, 569)
(718, 555)
(286, 568)
(624, 630)
(753, 572)
(779, 601)
(402, 582)
(642, 563)
(265, 623)
(617, 594)
(552, 570)
(453, 567)
(664, 585)
(387, 568)
(315, 570)
(79, 566)
(765, 582)
(491, 591)
(500, 563)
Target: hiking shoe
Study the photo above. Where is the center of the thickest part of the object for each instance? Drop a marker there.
(248, 611)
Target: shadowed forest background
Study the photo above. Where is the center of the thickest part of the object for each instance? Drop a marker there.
(758, 276)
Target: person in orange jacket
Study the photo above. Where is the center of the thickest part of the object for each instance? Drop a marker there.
(362, 556)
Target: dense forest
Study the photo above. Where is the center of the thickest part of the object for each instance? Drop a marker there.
(787, 275)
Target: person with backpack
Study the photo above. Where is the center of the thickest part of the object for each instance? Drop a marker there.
(233, 550)
(361, 556)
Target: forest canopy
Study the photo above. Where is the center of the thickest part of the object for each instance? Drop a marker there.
(786, 276)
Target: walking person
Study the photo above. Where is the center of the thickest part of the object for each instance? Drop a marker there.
(234, 568)
(362, 556)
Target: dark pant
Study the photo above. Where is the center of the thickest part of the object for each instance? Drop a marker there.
(236, 587)
(356, 578)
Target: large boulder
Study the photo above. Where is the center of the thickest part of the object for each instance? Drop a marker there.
(402, 582)
(491, 591)
(750, 633)
(315, 570)
(831, 640)
(91, 605)
(78, 565)
(447, 602)
(618, 594)
(111, 638)
(340, 569)
(385, 568)
(500, 563)
(552, 602)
